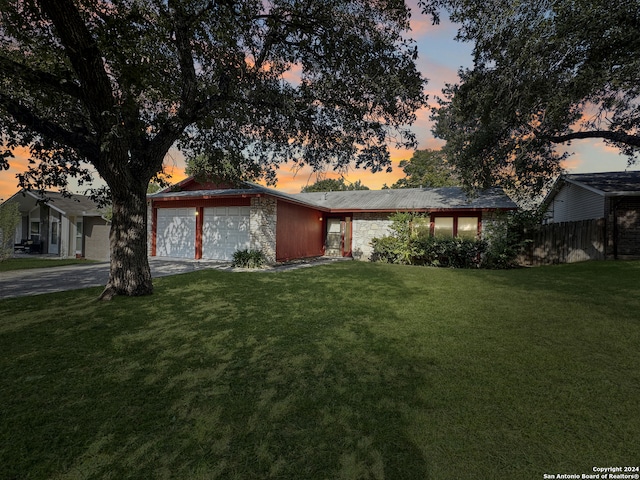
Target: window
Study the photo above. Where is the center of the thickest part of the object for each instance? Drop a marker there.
(54, 233)
(449, 227)
(34, 231)
(468, 227)
(443, 227)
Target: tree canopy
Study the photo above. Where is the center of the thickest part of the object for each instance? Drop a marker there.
(545, 73)
(333, 185)
(109, 87)
(427, 168)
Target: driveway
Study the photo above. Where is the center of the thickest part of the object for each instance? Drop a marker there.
(21, 283)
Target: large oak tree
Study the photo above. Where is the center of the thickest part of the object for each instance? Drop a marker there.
(545, 73)
(108, 86)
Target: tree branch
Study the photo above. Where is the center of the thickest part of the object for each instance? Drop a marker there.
(37, 77)
(618, 137)
(24, 116)
(84, 55)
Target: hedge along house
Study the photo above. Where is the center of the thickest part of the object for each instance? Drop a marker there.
(212, 221)
(61, 226)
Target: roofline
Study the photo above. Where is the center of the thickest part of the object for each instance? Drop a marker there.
(259, 190)
(585, 186)
(421, 209)
(45, 202)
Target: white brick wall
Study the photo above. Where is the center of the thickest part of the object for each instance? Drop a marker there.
(263, 220)
(366, 227)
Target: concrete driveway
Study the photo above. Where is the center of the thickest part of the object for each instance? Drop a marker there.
(22, 283)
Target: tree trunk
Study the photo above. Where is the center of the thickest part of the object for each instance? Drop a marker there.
(129, 273)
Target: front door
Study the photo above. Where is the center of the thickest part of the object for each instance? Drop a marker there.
(54, 235)
(338, 243)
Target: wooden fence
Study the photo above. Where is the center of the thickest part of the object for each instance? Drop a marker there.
(567, 242)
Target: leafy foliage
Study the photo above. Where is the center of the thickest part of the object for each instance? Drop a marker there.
(333, 185)
(427, 168)
(546, 72)
(9, 221)
(249, 259)
(508, 236)
(410, 244)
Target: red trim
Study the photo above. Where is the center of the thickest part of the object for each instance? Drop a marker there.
(199, 228)
(154, 230)
(212, 201)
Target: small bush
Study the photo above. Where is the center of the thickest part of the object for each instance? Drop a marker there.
(249, 259)
(386, 250)
(509, 237)
(450, 252)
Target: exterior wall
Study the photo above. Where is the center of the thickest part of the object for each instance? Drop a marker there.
(263, 221)
(366, 227)
(96, 238)
(574, 203)
(299, 232)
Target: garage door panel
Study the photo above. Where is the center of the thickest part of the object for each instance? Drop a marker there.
(225, 230)
(176, 232)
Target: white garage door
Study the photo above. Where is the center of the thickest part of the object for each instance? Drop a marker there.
(225, 230)
(176, 232)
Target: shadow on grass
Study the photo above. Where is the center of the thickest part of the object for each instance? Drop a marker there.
(226, 376)
(346, 371)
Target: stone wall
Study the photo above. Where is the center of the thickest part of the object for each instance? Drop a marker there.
(263, 220)
(367, 226)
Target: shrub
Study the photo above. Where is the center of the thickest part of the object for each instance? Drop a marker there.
(450, 252)
(249, 259)
(509, 237)
(387, 250)
(408, 245)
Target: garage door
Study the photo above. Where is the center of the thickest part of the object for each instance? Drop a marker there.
(224, 230)
(176, 232)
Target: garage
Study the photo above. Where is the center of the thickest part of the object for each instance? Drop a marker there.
(176, 232)
(224, 231)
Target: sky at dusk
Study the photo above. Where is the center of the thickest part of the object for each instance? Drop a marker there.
(440, 58)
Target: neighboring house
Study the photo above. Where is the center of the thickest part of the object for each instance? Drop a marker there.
(612, 196)
(62, 226)
(194, 220)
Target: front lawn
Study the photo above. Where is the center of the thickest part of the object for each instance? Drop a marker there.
(345, 371)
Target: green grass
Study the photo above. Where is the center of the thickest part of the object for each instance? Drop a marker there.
(11, 264)
(344, 371)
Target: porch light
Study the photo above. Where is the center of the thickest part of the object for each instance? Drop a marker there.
(320, 219)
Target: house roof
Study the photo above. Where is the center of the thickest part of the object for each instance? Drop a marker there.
(361, 200)
(246, 189)
(75, 205)
(608, 184)
(409, 199)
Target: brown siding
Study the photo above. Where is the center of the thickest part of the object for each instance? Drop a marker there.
(628, 227)
(299, 232)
